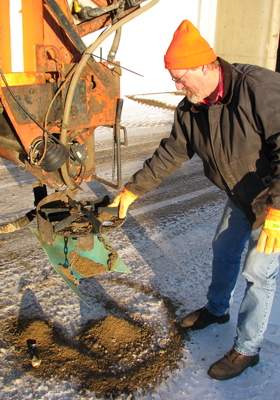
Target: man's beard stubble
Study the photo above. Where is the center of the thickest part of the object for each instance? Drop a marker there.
(193, 97)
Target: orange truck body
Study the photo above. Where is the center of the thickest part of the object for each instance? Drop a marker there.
(46, 54)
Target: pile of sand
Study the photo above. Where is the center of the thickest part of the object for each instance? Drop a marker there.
(109, 356)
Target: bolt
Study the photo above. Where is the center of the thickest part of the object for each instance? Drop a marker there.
(73, 111)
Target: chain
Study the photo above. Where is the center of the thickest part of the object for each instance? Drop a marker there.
(113, 255)
(65, 250)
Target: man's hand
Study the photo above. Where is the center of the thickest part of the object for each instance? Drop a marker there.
(269, 239)
(123, 200)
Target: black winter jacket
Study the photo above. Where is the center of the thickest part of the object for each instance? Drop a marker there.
(237, 139)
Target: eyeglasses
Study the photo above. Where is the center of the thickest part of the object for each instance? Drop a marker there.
(180, 80)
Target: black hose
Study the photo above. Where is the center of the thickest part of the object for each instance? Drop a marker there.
(34, 120)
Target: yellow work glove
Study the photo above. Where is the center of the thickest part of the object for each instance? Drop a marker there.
(123, 200)
(269, 239)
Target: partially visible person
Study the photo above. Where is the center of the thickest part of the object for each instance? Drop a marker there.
(230, 118)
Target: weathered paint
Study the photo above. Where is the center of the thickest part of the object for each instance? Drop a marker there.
(50, 55)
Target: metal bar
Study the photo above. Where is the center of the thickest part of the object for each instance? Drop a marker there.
(117, 127)
(114, 211)
(50, 210)
(97, 225)
(66, 25)
(118, 141)
(64, 223)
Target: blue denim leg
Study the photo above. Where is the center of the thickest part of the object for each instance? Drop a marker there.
(260, 271)
(229, 242)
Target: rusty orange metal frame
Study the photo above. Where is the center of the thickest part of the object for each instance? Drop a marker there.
(49, 55)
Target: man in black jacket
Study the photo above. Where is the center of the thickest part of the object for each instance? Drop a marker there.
(230, 117)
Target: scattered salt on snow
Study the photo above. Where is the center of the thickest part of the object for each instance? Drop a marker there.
(182, 275)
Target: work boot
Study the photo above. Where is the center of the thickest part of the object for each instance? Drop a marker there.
(201, 318)
(231, 365)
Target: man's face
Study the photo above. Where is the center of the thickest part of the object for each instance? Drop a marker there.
(193, 82)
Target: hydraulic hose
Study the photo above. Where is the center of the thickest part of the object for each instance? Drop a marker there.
(18, 223)
(89, 12)
(115, 46)
(74, 81)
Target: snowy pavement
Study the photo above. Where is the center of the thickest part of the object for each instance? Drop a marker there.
(168, 252)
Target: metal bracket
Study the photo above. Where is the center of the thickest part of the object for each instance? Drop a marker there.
(117, 142)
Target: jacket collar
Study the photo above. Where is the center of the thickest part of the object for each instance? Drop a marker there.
(228, 81)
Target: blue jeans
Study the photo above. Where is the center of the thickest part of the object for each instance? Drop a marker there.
(260, 270)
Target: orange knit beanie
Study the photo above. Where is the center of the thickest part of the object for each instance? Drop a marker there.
(188, 49)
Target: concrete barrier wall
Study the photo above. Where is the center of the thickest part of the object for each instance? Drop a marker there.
(247, 31)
